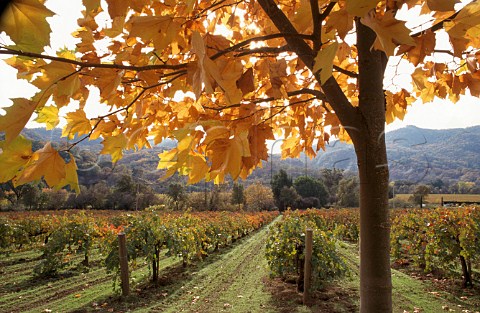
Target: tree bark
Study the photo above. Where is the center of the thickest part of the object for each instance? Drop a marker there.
(369, 143)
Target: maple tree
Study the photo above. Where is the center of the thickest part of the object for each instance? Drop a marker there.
(224, 76)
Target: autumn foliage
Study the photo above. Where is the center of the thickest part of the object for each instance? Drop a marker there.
(218, 77)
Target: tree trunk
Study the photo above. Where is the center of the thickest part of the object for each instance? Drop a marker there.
(369, 142)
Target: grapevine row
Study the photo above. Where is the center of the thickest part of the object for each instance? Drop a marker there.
(63, 238)
(440, 239)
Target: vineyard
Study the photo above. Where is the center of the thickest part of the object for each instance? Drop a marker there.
(68, 260)
(81, 249)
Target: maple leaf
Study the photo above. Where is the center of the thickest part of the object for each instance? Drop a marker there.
(201, 77)
(61, 74)
(424, 45)
(216, 132)
(396, 105)
(246, 83)
(303, 16)
(46, 163)
(162, 30)
(16, 118)
(464, 23)
(107, 81)
(118, 8)
(360, 7)
(324, 61)
(230, 162)
(390, 32)
(49, 116)
(71, 177)
(340, 20)
(442, 5)
(77, 123)
(197, 168)
(114, 146)
(91, 5)
(14, 157)
(103, 128)
(25, 22)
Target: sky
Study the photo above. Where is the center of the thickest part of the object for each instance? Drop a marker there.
(439, 114)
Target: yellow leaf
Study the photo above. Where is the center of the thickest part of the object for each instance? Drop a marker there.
(420, 78)
(390, 32)
(114, 146)
(466, 22)
(216, 132)
(55, 73)
(103, 128)
(77, 123)
(69, 86)
(206, 73)
(14, 157)
(162, 30)
(49, 116)
(442, 5)
(107, 81)
(46, 163)
(25, 22)
(198, 168)
(324, 61)
(303, 16)
(360, 7)
(226, 155)
(396, 105)
(201, 79)
(16, 118)
(71, 177)
(341, 21)
(26, 68)
(118, 8)
(91, 5)
(168, 159)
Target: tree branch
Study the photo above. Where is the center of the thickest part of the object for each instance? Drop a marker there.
(327, 10)
(439, 25)
(337, 99)
(344, 71)
(304, 91)
(81, 64)
(259, 38)
(274, 50)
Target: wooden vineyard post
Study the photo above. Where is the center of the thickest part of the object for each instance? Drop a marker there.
(122, 250)
(308, 267)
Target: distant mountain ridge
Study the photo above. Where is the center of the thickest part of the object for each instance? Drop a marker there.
(415, 154)
(419, 155)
